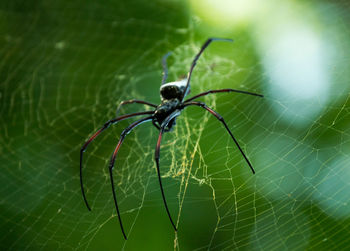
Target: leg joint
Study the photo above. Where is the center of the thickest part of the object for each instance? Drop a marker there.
(202, 104)
(107, 124)
(123, 134)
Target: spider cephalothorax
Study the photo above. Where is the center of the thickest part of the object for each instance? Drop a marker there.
(162, 111)
(163, 118)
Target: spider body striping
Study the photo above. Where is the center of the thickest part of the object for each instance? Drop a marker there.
(163, 118)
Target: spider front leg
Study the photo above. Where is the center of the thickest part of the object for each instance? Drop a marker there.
(194, 62)
(165, 68)
(111, 165)
(132, 101)
(221, 119)
(222, 90)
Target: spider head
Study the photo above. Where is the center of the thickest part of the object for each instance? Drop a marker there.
(174, 90)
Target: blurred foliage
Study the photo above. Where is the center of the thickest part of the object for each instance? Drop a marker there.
(66, 65)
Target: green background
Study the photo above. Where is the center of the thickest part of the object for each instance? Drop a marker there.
(66, 65)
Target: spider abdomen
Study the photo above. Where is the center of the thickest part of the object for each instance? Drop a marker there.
(173, 90)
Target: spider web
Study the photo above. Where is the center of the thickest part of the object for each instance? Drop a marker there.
(66, 66)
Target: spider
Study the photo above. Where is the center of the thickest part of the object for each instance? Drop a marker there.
(163, 118)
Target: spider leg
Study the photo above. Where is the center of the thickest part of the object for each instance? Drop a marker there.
(132, 101)
(165, 68)
(111, 165)
(156, 157)
(104, 127)
(154, 123)
(222, 90)
(204, 46)
(221, 119)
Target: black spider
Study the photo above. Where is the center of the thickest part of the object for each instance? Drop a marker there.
(163, 117)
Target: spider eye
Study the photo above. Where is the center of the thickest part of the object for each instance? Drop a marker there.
(170, 92)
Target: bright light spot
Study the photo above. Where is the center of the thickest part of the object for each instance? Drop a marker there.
(60, 45)
(295, 53)
(120, 76)
(227, 12)
(295, 66)
(295, 59)
(332, 188)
